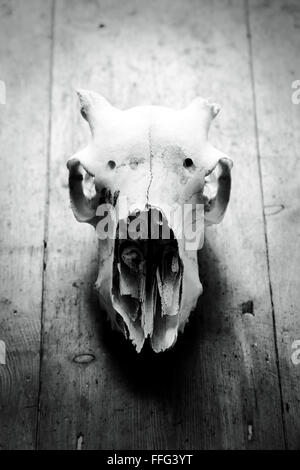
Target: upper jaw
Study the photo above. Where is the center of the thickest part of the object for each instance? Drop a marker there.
(147, 287)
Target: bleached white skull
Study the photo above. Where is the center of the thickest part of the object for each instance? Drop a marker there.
(149, 163)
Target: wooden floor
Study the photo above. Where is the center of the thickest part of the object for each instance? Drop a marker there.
(230, 382)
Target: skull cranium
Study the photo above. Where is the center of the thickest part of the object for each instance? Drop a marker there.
(155, 159)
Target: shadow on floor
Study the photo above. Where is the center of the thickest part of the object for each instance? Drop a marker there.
(147, 370)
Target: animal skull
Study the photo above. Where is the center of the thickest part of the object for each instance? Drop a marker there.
(154, 158)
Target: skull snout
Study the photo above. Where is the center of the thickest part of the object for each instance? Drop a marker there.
(147, 276)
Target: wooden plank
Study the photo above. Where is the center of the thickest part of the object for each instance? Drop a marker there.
(276, 43)
(219, 387)
(25, 67)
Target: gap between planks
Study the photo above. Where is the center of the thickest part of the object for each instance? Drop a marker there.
(252, 75)
(46, 219)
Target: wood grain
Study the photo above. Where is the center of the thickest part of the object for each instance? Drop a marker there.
(219, 387)
(25, 68)
(276, 43)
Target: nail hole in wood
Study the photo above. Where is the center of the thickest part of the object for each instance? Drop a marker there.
(273, 209)
(84, 358)
(79, 441)
(247, 308)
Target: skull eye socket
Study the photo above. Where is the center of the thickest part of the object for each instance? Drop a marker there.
(188, 163)
(111, 164)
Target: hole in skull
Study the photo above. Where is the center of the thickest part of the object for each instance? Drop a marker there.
(188, 163)
(83, 113)
(111, 164)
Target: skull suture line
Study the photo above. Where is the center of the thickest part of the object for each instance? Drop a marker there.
(154, 157)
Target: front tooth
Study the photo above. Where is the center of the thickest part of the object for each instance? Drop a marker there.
(132, 272)
(128, 282)
(149, 309)
(175, 264)
(168, 282)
